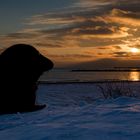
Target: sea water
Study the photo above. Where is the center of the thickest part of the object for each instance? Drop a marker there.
(89, 76)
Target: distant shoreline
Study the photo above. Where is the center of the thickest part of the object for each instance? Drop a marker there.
(87, 82)
(107, 70)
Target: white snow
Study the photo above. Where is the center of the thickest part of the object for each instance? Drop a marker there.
(75, 112)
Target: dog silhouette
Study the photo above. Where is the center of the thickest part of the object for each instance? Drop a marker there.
(21, 65)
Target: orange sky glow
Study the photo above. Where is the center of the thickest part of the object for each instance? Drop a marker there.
(81, 31)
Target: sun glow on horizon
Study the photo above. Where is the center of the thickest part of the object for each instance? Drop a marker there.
(134, 50)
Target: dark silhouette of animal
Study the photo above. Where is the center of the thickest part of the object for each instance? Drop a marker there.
(21, 66)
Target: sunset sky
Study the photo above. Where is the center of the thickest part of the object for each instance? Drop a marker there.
(74, 31)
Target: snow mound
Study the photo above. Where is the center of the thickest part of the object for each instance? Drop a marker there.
(76, 116)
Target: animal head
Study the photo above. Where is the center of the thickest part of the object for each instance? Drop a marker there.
(24, 59)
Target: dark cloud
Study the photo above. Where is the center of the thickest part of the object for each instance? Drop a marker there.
(107, 63)
(88, 28)
(121, 54)
(71, 56)
(117, 47)
(48, 45)
(109, 27)
(128, 5)
(21, 35)
(92, 20)
(98, 30)
(127, 14)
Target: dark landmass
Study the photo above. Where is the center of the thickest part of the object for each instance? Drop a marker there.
(88, 82)
(106, 70)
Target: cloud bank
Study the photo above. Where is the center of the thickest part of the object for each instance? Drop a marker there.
(107, 28)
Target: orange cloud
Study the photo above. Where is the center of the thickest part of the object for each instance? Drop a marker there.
(106, 27)
(123, 17)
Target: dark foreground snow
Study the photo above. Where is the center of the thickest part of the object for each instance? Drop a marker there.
(75, 112)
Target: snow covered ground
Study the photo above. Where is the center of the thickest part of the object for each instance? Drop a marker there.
(76, 112)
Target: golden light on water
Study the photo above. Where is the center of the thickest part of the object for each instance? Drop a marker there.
(134, 76)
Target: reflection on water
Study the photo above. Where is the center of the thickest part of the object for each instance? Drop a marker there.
(63, 76)
(134, 76)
